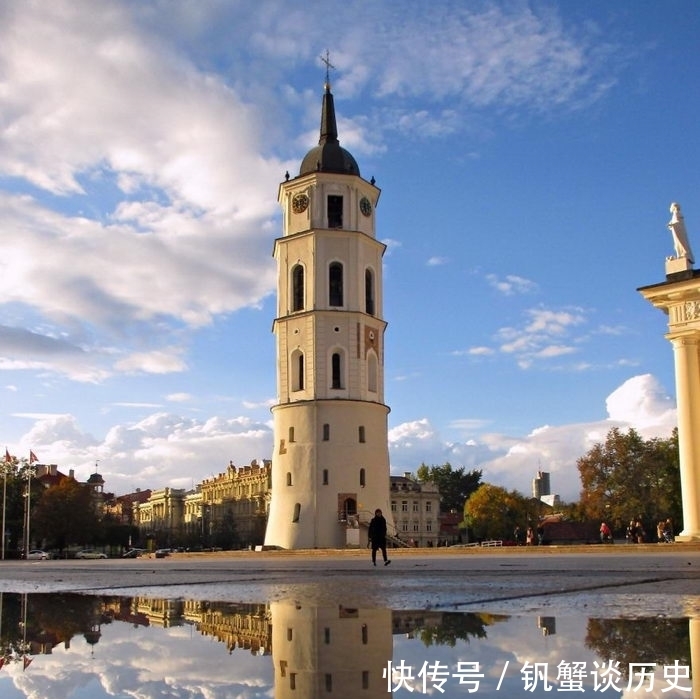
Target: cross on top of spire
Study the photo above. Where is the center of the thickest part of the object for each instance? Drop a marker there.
(326, 59)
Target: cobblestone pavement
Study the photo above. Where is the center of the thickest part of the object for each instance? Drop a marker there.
(608, 581)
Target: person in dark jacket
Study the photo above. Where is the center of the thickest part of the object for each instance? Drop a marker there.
(377, 536)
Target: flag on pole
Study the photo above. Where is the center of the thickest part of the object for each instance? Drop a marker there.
(32, 457)
(8, 458)
(27, 661)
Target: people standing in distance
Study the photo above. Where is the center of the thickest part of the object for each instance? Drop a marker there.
(377, 536)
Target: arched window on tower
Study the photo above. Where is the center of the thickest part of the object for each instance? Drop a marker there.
(336, 370)
(369, 291)
(372, 371)
(297, 370)
(298, 288)
(335, 284)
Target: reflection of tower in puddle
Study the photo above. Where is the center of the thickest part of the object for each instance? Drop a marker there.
(318, 650)
(547, 624)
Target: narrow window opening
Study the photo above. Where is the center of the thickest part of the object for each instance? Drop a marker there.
(325, 476)
(335, 284)
(335, 211)
(365, 679)
(369, 292)
(291, 435)
(289, 478)
(297, 512)
(361, 434)
(326, 635)
(364, 634)
(336, 366)
(298, 288)
(326, 432)
(362, 477)
(297, 369)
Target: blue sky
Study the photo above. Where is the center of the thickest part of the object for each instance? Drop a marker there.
(527, 154)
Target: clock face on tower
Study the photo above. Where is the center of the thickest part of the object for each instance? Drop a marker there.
(365, 206)
(299, 203)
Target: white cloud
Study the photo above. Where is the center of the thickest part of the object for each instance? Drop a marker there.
(164, 361)
(511, 284)
(436, 261)
(642, 402)
(541, 334)
(178, 397)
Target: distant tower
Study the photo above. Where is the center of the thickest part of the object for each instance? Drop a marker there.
(330, 465)
(540, 485)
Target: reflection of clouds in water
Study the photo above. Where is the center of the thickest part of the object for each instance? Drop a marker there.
(145, 662)
(150, 662)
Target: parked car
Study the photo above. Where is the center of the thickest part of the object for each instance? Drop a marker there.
(38, 555)
(134, 553)
(90, 553)
(162, 553)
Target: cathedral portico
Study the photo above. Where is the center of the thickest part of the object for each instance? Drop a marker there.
(679, 298)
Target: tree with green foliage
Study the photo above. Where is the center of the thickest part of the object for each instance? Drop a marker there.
(492, 512)
(626, 477)
(66, 515)
(455, 485)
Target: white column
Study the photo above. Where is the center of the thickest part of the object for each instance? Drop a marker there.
(687, 360)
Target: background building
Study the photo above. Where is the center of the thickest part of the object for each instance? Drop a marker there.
(415, 508)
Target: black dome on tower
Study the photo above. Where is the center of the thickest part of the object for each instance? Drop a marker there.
(328, 156)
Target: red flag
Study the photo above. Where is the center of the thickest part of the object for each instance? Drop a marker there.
(32, 457)
(27, 660)
(8, 458)
(2, 662)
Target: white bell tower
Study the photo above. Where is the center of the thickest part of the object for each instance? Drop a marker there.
(330, 464)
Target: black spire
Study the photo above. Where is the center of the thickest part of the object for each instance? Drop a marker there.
(329, 129)
(328, 156)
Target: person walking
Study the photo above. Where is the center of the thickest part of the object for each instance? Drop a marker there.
(377, 537)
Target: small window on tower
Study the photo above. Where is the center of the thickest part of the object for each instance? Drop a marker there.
(361, 435)
(298, 288)
(335, 211)
(297, 512)
(336, 369)
(369, 291)
(325, 476)
(335, 284)
(297, 370)
(326, 432)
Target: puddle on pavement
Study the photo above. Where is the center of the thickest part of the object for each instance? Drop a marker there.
(83, 647)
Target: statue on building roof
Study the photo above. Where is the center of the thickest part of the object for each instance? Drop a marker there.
(680, 236)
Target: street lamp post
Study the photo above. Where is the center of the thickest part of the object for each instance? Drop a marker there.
(28, 471)
(5, 466)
